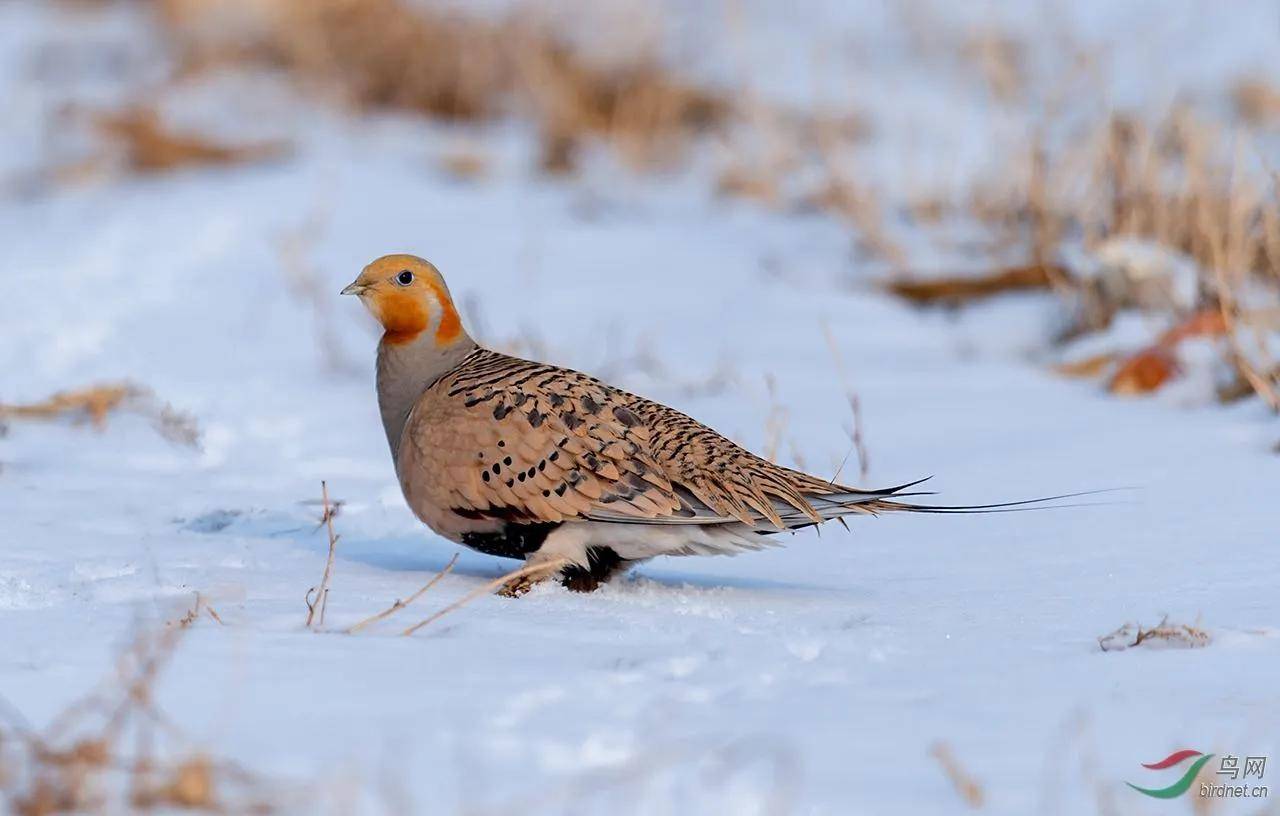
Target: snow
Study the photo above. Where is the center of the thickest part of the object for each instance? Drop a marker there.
(810, 679)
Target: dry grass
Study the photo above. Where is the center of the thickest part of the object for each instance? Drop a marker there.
(391, 54)
(1179, 187)
(969, 789)
(116, 751)
(484, 589)
(1199, 207)
(1177, 182)
(147, 145)
(96, 403)
(1257, 101)
(316, 608)
(399, 604)
(618, 91)
(464, 163)
(1001, 60)
(1162, 635)
(529, 571)
(640, 107)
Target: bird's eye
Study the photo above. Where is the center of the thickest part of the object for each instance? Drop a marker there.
(404, 278)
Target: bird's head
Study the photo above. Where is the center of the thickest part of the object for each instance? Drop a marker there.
(409, 298)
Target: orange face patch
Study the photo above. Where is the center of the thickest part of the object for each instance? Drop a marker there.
(405, 313)
(401, 313)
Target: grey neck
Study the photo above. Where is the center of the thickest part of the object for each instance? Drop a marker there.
(406, 370)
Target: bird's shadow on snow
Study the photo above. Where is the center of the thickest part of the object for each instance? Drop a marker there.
(426, 554)
(420, 554)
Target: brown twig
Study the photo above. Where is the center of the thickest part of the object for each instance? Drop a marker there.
(864, 461)
(322, 593)
(1256, 379)
(399, 604)
(1172, 634)
(494, 584)
(954, 291)
(968, 787)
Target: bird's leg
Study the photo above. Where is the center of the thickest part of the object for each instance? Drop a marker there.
(567, 545)
(603, 563)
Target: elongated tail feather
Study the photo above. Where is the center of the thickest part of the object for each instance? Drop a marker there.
(1042, 503)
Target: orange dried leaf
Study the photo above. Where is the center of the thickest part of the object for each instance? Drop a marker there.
(1144, 372)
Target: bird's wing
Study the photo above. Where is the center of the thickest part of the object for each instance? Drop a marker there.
(505, 438)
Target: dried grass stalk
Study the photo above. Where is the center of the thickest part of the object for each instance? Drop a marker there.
(1256, 101)
(1163, 634)
(316, 608)
(523, 572)
(443, 64)
(399, 604)
(96, 403)
(114, 751)
(970, 789)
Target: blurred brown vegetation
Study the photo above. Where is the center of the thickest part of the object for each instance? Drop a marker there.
(149, 146)
(1189, 185)
(388, 54)
(96, 403)
(115, 750)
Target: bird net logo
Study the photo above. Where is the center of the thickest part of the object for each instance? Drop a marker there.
(1231, 779)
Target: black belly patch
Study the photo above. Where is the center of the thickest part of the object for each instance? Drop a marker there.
(519, 540)
(512, 541)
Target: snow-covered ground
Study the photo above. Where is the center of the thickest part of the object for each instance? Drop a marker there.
(809, 679)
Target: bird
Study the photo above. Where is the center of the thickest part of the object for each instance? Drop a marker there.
(582, 480)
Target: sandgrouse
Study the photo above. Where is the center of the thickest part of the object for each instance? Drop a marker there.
(521, 459)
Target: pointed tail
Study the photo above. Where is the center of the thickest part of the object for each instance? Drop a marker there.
(889, 500)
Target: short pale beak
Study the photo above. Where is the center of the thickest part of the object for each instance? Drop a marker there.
(354, 288)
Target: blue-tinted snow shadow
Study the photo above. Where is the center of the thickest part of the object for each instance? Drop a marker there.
(429, 553)
(658, 573)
